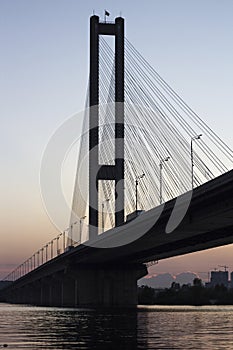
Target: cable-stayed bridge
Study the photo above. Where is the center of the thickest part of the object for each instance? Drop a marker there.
(153, 181)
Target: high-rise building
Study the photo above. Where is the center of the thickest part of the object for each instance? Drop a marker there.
(231, 281)
(219, 278)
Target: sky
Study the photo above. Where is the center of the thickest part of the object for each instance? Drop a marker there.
(43, 80)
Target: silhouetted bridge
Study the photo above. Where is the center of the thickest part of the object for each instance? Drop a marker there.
(104, 271)
(89, 276)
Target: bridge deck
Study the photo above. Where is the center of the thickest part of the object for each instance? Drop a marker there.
(208, 223)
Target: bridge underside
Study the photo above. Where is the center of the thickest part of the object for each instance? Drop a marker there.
(81, 286)
(207, 223)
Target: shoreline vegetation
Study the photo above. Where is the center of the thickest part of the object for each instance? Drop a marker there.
(195, 295)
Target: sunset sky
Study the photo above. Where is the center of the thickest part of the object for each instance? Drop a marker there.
(44, 72)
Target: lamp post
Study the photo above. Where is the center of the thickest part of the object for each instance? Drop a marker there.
(42, 255)
(64, 241)
(80, 226)
(38, 258)
(162, 161)
(197, 137)
(51, 252)
(57, 245)
(106, 201)
(71, 231)
(46, 253)
(58, 249)
(64, 237)
(136, 190)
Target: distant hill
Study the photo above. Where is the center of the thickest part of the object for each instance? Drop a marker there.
(164, 280)
(185, 278)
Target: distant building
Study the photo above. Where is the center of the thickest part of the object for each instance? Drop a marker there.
(231, 281)
(218, 278)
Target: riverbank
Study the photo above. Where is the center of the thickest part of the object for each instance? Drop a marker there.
(185, 295)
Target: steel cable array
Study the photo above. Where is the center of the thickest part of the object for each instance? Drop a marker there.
(158, 124)
(159, 130)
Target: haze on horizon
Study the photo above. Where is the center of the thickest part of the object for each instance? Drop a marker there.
(44, 74)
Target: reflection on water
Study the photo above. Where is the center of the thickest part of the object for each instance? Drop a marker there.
(26, 327)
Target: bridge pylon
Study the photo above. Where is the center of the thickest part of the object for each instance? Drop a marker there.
(99, 171)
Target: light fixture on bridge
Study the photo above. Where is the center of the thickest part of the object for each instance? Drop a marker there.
(64, 238)
(105, 201)
(80, 226)
(58, 246)
(42, 255)
(196, 137)
(71, 232)
(51, 248)
(46, 252)
(136, 190)
(163, 160)
(38, 258)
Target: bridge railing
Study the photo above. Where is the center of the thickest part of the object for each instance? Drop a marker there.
(57, 246)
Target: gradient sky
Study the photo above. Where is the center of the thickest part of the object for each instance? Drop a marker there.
(43, 79)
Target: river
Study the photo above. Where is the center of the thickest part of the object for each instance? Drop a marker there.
(152, 327)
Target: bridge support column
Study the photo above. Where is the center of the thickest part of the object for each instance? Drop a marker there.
(108, 286)
(59, 289)
(86, 285)
(55, 289)
(68, 292)
(22, 295)
(45, 292)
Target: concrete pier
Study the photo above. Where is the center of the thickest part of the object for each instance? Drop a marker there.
(81, 286)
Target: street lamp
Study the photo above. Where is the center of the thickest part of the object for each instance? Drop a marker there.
(136, 190)
(42, 255)
(64, 237)
(58, 247)
(80, 226)
(64, 240)
(34, 260)
(51, 251)
(38, 258)
(197, 137)
(71, 230)
(106, 201)
(46, 253)
(163, 160)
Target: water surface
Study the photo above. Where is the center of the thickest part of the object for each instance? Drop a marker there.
(156, 327)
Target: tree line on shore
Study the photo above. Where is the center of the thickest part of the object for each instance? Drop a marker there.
(196, 294)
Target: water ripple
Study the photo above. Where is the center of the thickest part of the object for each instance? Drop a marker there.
(170, 328)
